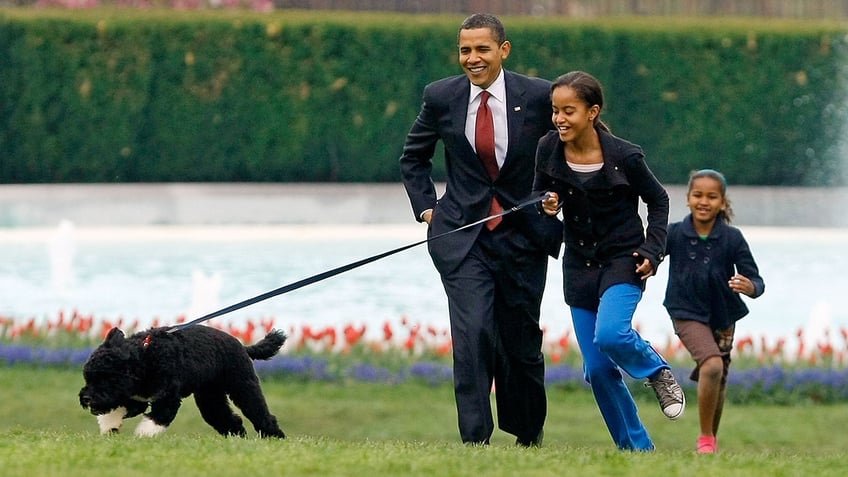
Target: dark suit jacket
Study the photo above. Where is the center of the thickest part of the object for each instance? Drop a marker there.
(469, 189)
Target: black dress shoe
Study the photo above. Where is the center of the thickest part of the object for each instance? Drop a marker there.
(535, 442)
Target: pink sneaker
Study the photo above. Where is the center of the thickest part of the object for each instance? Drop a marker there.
(707, 445)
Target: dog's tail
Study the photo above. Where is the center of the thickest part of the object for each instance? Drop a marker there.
(268, 346)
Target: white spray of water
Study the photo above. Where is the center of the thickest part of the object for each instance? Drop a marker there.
(205, 294)
(62, 249)
(842, 146)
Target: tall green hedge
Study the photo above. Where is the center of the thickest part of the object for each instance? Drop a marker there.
(127, 96)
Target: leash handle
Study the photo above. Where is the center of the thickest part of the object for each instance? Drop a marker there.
(344, 268)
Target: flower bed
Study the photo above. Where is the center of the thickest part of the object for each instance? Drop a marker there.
(762, 372)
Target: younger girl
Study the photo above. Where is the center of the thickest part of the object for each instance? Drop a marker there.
(702, 296)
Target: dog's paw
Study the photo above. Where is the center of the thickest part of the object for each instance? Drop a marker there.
(148, 428)
(110, 423)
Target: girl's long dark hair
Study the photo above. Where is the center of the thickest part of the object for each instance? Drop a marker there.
(588, 89)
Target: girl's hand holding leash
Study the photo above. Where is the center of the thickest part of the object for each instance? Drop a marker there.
(551, 204)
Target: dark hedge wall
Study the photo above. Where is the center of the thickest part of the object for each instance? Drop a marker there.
(126, 96)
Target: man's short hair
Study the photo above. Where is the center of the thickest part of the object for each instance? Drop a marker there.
(485, 20)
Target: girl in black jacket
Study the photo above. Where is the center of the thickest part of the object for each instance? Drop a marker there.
(711, 265)
(597, 180)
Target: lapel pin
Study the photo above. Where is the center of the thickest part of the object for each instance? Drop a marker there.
(517, 108)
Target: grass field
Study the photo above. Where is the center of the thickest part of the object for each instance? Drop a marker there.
(410, 429)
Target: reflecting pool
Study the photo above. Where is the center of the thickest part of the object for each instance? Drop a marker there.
(163, 272)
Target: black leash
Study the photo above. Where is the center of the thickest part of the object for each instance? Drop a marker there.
(344, 268)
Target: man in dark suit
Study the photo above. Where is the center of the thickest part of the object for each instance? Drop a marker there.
(493, 279)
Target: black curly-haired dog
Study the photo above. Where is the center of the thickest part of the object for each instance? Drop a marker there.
(157, 368)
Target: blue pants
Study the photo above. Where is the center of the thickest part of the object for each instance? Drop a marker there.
(609, 344)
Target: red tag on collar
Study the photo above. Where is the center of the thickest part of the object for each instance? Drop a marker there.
(146, 342)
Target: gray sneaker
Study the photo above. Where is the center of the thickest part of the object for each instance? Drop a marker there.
(669, 393)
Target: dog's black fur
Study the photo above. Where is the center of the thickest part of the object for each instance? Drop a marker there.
(157, 368)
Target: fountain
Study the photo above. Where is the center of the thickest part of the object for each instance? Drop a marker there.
(205, 294)
(62, 249)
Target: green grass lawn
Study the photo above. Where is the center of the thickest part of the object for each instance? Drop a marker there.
(410, 429)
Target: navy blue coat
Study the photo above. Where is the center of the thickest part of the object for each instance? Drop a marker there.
(601, 222)
(700, 269)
